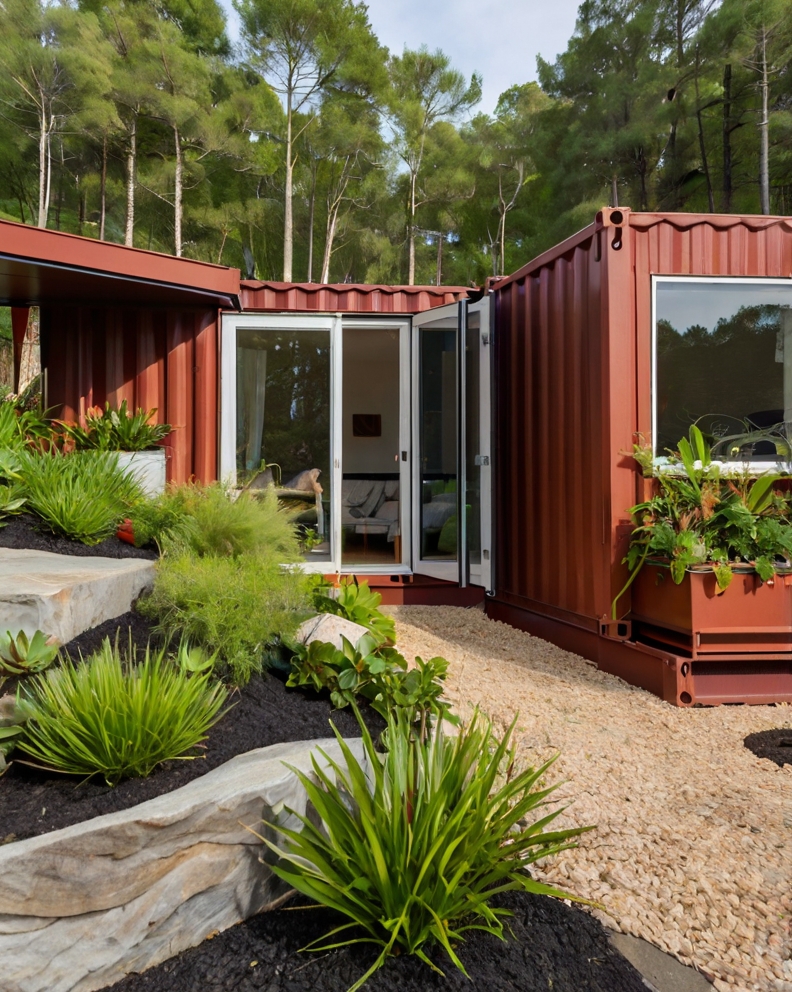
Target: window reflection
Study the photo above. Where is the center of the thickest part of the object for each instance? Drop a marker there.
(724, 362)
(283, 424)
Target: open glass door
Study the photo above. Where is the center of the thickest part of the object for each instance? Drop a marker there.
(451, 444)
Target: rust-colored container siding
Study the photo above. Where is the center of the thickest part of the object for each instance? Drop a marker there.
(152, 358)
(346, 298)
(573, 388)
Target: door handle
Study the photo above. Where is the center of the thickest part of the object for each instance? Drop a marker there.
(481, 460)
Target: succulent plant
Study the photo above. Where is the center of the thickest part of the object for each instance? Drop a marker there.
(21, 655)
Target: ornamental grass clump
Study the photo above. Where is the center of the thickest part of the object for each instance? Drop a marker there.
(82, 496)
(104, 716)
(414, 847)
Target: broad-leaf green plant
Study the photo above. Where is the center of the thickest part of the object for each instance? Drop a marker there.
(700, 519)
(12, 722)
(346, 672)
(413, 848)
(376, 673)
(356, 602)
(115, 718)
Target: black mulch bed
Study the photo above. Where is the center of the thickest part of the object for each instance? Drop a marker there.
(34, 802)
(552, 947)
(776, 745)
(26, 531)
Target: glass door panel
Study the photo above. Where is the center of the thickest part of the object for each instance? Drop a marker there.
(436, 444)
(477, 444)
(371, 487)
(283, 424)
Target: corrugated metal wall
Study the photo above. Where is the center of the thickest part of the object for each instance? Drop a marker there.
(573, 388)
(152, 358)
(549, 485)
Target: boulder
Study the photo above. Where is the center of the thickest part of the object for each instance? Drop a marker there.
(83, 906)
(330, 628)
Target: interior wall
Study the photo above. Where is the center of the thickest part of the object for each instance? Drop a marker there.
(371, 386)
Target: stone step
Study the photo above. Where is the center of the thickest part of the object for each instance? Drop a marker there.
(63, 595)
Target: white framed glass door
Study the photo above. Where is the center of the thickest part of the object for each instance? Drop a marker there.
(374, 409)
(279, 380)
(452, 504)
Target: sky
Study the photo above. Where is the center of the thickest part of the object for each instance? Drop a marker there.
(500, 39)
(695, 303)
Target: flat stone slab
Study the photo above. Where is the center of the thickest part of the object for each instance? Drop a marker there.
(83, 906)
(64, 595)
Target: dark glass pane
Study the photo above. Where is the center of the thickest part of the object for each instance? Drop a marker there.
(438, 443)
(473, 438)
(722, 364)
(283, 421)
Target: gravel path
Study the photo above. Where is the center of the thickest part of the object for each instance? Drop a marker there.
(693, 850)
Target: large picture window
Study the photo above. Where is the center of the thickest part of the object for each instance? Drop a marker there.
(723, 361)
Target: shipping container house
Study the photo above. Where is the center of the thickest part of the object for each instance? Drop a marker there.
(454, 444)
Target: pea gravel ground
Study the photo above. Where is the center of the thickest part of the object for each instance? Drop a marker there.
(693, 847)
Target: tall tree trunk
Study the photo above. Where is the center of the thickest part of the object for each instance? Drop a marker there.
(615, 191)
(103, 191)
(129, 234)
(411, 231)
(727, 154)
(764, 136)
(311, 217)
(42, 207)
(288, 207)
(440, 239)
(49, 174)
(702, 145)
(178, 192)
(332, 226)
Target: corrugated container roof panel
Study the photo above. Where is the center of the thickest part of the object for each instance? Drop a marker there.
(346, 297)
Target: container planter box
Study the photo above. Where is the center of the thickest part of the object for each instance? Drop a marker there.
(749, 617)
(148, 467)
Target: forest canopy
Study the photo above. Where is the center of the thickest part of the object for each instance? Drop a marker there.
(309, 152)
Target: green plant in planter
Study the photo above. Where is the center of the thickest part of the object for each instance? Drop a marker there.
(83, 496)
(413, 848)
(356, 602)
(20, 655)
(113, 430)
(699, 519)
(117, 719)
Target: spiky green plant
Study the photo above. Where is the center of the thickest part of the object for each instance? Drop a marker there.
(82, 496)
(118, 719)
(412, 849)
